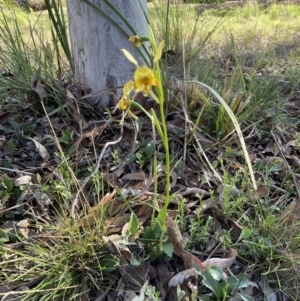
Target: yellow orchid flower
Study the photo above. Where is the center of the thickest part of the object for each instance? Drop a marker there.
(136, 40)
(124, 103)
(144, 79)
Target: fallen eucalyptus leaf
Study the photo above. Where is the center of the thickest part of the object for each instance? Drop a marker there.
(41, 149)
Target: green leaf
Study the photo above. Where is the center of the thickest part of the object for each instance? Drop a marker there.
(246, 297)
(3, 236)
(156, 230)
(38, 178)
(11, 146)
(131, 158)
(152, 234)
(180, 293)
(133, 224)
(259, 164)
(5, 198)
(66, 137)
(148, 237)
(7, 183)
(19, 209)
(211, 283)
(237, 282)
(216, 272)
(150, 148)
(246, 233)
(205, 298)
(135, 262)
(72, 149)
(138, 124)
(168, 248)
(109, 264)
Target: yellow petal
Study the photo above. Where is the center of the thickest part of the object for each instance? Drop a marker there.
(130, 57)
(155, 82)
(144, 79)
(159, 51)
(139, 87)
(128, 87)
(143, 72)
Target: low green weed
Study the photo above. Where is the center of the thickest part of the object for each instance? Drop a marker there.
(222, 287)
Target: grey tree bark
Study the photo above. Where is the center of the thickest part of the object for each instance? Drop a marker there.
(98, 61)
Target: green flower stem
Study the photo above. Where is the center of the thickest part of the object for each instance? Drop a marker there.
(162, 130)
(163, 133)
(138, 106)
(163, 214)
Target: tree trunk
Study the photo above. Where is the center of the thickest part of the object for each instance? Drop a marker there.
(98, 62)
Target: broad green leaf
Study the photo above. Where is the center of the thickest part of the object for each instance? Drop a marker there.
(72, 149)
(216, 272)
(66, 136)
(211, 283)
(168, 248)
(7, 183)
(149, 150)
(11, 146)
(180, 293)
(3, 236)
(109, 264)
(259, 164)
(246, 233)
(131, 158)
(148, 237)
(5, 198)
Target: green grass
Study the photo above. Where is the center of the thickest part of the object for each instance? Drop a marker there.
(250, 56)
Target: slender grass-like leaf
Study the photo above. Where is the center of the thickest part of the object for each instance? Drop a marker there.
(59, 23)
(235, 123)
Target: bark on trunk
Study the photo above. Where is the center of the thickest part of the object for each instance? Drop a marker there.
(98, 61)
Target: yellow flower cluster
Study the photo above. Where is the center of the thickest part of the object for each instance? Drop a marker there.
(144, 77)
